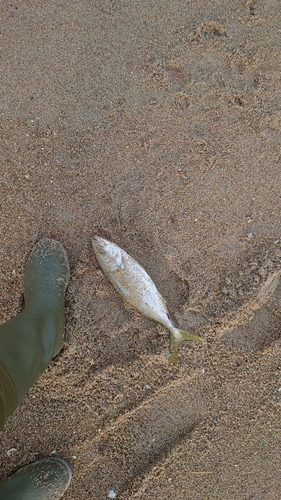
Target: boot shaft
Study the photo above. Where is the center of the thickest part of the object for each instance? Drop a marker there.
(11, 387)
(30, 340)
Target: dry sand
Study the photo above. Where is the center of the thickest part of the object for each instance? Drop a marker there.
(156, 125)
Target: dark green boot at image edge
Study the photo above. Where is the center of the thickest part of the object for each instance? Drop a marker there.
(29, 341)
(46, 479)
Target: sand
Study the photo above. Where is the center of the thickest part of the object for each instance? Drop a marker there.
(157, 126)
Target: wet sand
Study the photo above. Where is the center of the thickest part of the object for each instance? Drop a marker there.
(157, 126)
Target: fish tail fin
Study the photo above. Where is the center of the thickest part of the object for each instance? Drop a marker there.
(178, 336)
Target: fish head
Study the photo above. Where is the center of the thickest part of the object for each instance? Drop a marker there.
(108, 254)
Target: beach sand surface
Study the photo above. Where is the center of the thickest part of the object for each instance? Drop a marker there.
(155, 125)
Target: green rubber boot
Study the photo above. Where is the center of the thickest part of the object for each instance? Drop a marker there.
(30, 340)
(46, 479)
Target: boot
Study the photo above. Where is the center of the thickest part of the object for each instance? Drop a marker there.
(30, 340)
(46, 479)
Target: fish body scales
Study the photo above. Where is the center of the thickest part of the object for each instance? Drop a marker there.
(136, 286)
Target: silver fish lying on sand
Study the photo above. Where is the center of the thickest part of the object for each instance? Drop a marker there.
(137, 288)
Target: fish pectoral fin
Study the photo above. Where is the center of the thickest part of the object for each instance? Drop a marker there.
(178, 336)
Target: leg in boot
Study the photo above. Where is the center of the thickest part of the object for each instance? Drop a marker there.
(46, 479)
(30, 340)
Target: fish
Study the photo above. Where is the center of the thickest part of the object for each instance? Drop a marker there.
(137, 288)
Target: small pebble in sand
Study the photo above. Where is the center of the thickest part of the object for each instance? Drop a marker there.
(11, 451)
(112, 494)
(249, 235)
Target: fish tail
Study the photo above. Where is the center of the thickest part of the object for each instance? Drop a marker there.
(178, 336)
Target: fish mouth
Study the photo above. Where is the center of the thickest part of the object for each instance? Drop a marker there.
(99, 242)
(99, 245)
(102, 247)
(98, 239)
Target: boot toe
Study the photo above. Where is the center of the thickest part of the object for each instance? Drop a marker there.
(46, 274)
(46, 479)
